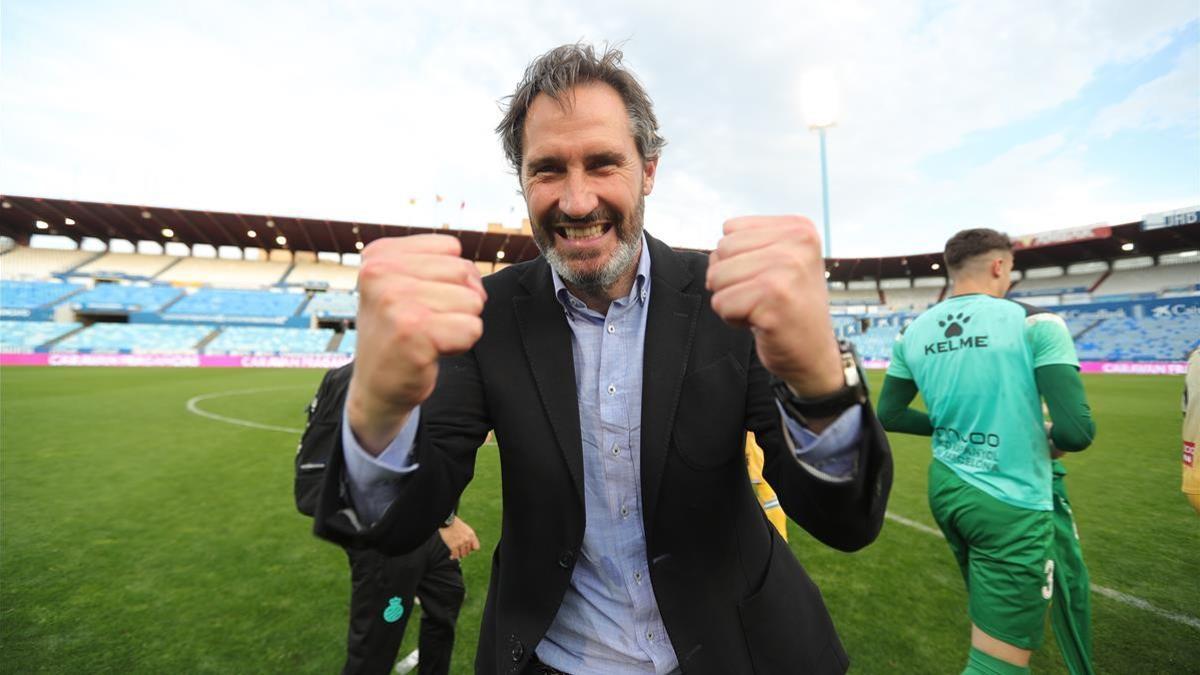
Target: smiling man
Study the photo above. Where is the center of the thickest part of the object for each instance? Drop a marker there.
(620, 378)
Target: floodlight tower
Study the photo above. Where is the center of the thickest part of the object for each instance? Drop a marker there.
(819, 105)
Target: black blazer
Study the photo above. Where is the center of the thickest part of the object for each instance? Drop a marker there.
(732, 596)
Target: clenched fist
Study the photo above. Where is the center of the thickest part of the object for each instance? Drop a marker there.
(767, 273)
(418, 301)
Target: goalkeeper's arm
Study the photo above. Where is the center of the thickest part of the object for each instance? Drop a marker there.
(1073, 427)
(893, 411)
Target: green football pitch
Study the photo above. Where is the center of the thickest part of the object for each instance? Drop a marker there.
(147, 525)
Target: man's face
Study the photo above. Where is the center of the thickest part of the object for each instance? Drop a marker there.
(585, 185)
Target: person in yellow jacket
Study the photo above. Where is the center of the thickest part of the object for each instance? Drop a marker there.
(764, 492)
(1191, 430)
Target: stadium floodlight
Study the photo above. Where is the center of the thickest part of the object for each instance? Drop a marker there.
(69, 221)
(358, 245)
(6, 204)
(281, 240)
(935, 266)
(168, 232)
(251, 233)
(819, 105)
(146, 214)
(499, 255)
(1127, 246)
(42, 225)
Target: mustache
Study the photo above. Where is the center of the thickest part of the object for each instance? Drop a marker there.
(600, 214)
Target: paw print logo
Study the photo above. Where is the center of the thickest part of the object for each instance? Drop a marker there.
(953, 324)
(394, 611)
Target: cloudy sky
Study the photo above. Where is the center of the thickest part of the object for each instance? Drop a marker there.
(1024, 116)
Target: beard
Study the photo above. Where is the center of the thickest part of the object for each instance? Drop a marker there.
(587, 278)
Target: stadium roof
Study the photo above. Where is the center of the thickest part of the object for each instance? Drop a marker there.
(19, 217)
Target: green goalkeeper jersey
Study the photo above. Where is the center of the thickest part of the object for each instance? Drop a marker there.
(973, 359)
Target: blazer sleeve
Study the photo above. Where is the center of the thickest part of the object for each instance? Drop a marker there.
(454, 423)
(846, 515)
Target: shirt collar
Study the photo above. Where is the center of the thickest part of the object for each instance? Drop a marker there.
(640, 292)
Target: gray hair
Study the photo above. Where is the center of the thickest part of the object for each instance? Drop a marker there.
(560, 70)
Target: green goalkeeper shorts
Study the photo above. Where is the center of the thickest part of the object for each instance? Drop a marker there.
(1005, 554)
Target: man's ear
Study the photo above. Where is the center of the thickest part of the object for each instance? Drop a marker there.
(649, 170)
(998, 267)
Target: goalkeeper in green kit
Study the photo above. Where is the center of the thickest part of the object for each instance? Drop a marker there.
(983, 365)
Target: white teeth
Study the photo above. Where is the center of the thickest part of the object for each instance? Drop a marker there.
(583, 232)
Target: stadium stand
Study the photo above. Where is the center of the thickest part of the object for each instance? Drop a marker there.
(334, 305)
(349, 342)
(1055, 285)
(27, 295)
(221, 303)
(134, 338)
(1140, 339)
(256, 340)
(225, 273)
(876, 343)
(324, 274)
(23, 262)
(857, 294)
(916, 298)
(123, 298)
(27, 336)
(1155, 279)
(127, 266)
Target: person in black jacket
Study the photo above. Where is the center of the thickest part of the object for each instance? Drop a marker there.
(384, 587)
(620, 378)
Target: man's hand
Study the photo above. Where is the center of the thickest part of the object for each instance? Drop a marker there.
(767, 273)
(1055, 453)
(459, 538)
(418, 301)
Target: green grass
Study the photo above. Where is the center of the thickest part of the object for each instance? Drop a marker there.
(138, 537)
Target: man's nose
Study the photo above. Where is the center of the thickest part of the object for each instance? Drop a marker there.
(578, 198)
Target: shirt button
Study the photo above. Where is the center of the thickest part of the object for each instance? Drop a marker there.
(616, 449)
(612, 328)
(649, 636)
(637, 576)
(624, 511)
(612, 389)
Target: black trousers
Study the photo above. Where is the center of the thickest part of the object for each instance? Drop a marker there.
(381, 602)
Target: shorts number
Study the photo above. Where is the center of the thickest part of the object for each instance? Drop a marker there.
(1048, 589)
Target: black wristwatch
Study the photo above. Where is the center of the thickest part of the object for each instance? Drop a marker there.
(831, 405)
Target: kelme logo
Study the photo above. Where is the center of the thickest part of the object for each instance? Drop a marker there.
(954, 324)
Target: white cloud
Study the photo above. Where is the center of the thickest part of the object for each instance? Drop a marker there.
(1172, 100)
(348, 110)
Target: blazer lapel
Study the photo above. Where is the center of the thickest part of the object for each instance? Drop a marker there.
(547, 341)
(670, 328)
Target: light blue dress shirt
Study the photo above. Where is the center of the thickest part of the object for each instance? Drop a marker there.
(609, 620)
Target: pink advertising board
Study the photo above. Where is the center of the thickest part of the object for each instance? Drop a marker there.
(177, 360)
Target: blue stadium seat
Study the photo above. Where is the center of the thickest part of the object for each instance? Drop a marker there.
(123, 298)
(256, 340)
(335, 305)
(876, 343)
(33, 294)
(135, 338)
(27, 336)
(218, 302)
(1144, 339)
(349, 342)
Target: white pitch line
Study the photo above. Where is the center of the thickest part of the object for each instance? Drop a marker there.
(1113, 594)
(193, 408)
